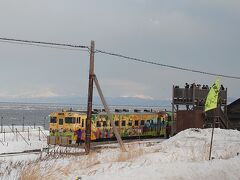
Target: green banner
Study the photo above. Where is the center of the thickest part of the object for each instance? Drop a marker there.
(212, 98)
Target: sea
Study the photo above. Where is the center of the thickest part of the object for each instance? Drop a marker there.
(37, 114)
(31, 114)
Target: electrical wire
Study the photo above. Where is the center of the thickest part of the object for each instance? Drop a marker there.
(78, 47)
(165, 65)
(46, 46)
(43, 43)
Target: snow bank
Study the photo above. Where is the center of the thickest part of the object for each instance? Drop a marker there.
(184, 156)
(194, 145)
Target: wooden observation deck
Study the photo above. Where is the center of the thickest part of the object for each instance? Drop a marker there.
(187, 102)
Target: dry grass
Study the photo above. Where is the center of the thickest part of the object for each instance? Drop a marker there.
(127, 156)
(51, 167)
(30, 172)
(34, 171)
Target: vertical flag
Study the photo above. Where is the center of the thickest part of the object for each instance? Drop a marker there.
(212, 98)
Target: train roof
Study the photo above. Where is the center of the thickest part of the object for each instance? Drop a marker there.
(104, 113)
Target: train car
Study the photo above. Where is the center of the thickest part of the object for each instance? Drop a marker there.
(63, 125)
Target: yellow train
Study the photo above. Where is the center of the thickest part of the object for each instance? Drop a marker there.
(63, 125)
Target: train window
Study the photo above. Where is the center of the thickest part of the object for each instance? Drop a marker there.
(142, 123)
(123, 123)
(169, 118)
(83, 120)
(104, 123)
(98, 124)
(73, 120)
(60, 122)
(116, 123)
(53, 120)
(136, 123)
(130, 123)
(68, 120)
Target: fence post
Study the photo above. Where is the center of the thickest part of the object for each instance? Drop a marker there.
(4, 136)
(16, 135)
(28, 134)
(44, 123)
(34, 126)
(23, 124)
(13, 128)
(1, 124)
(39, 133)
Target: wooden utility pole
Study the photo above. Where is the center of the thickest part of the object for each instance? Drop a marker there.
(90, 98)
(117, 135)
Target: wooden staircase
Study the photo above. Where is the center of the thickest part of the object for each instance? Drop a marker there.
(221, 119)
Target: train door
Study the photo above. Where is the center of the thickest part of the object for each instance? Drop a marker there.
(60, 122)
(117, 121)
(93, 123)
(159, 125)
(83, 125)
(53, 122)
(59, 118)
(78, 123)
(83, 122)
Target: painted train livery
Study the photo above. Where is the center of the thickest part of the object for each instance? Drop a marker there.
(63, 125)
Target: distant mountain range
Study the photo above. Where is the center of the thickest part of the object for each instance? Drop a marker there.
(118, 101)
(113, 101)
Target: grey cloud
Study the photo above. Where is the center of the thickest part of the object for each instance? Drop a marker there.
(202, 35)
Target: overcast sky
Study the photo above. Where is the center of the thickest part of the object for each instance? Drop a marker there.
(203, 35)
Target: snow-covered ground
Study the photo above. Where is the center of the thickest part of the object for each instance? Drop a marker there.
(17, 140)
(184, 156)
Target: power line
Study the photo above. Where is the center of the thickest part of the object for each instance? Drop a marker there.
(78, 47)
(43, 43)
(165, 65)
(46, 46)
